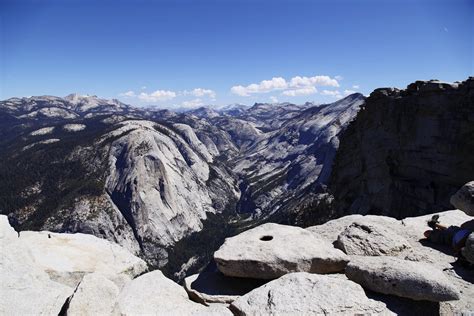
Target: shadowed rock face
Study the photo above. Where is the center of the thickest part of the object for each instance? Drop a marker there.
(407, 151)
(211, 286)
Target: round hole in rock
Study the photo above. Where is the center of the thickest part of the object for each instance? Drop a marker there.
(266, 238)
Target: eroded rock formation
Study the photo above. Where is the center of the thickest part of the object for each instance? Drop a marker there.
(407, 151)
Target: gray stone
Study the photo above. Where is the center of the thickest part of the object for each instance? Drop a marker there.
(439, 256)
(40, 270)
(468, 250)
(25, 288)
(371, 240)
(272, 250)
(154, 294)
(95, 295)
(463, 199)
(333, 228)
(414, 280)
(307, 294)
(71, 256)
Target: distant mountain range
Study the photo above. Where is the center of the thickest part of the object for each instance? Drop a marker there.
(169, 186)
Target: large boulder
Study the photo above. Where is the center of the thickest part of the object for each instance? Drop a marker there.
(272, 250)
(468, 250)
(390, 275)
(25, 288)
(333, 228)
(154, 294)
(422, 251)
(463, 199)
(40, 270)
(371, 240)
(71, 256)
(95, 295)
(307, 294)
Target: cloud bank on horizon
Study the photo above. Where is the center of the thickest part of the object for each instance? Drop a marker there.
(192, 53)
(293, 87)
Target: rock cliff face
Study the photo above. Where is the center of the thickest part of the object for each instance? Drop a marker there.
(407, 151)
(159, 179)
(282, 169)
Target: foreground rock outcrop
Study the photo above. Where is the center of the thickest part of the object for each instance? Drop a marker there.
(432, 256)
(307, 294)
(88, 276)
(71, 256)
(40, 270)
(44, 273)
(271, 250)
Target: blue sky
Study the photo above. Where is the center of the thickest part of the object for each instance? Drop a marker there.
(188, 53)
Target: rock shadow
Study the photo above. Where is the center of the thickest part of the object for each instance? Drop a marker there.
(212, 282)
(461, 268)
(441, 248)
(405, 306)
(464, 270)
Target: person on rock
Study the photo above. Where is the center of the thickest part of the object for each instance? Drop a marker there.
(454, 236)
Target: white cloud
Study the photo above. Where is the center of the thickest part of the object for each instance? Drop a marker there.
(298, 82)
(156, 96)
(192, 103)
(143, 88)
(276, 83)
(347, 92)
(301, 91)
(333, 93)
(356, 86)
(338, 78)
(128, 94)
(274, 99)
(200, 92)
